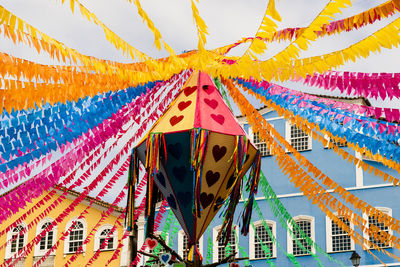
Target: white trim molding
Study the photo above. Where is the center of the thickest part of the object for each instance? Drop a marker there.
(252, 238)
(67, 241)
(329, 245)
(359, 172)
(97, 237)
(10, 254)
(181, 235)
(290, 239)
(386, 210)
(38, 251)
(215, 242)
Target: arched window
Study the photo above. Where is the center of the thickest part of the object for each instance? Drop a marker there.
(48, 240)
(260, 239)
(305, 228)
(17, 242)
(76, 236)
(17, 239)
(104, 233)
(220, 250)
(183, 244)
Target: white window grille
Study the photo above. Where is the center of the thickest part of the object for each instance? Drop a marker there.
(104, 235)
(341, 241)
(259, 237)
(337, 240)
(46, 242)
(76, 237)
(301, 247)
(18, 238)
(260, 144)
(372, 220)
(220, 250)
(183, 244)
(298, 139)
(101, 237)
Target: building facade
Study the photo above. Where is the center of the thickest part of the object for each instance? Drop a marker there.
(332, 241)
(83, 218)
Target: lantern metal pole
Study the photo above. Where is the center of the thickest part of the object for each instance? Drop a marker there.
(132, 247)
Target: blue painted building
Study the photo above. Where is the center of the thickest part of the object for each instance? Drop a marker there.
(327, 235)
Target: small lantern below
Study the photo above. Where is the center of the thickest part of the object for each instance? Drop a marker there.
(355, 259)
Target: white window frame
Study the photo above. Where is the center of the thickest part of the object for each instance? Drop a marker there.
(252, 238)
(288, 137)
(97, 237)
(66, 241)
(251, 135)
(10, 254)
(181, 234)
(215, 243)
(38, 251)
(290, 239)
(386, 210)
(329, 245)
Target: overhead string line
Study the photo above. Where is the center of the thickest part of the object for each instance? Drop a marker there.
(308, 125)
(13, 29)
(295, 229)
(112, 37)
(310, 188)
(386, 37)
(301, 42)
(158, 40)
(201, 27)
(357, 21)
(280, 211)
(266, 30)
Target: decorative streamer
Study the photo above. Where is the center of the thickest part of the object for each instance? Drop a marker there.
(157, 35)
(357, 21)
(104, 215)
(57, 49)
(158, 219)
(210, 245)
(376, 85)
(266, 30)
(306, 36)
(308, 186)
(353, 139)
(285, 218)
(200, 26)
(41, 177)
(362, 49)
(28, 247)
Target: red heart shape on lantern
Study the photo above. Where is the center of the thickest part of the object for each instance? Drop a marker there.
(174, 120)
(234, 264)
(218, 118)
(182, 105)
(189, 90)
(151, 243)
(211, 102)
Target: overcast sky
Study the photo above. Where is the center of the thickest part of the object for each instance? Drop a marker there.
(227, 20)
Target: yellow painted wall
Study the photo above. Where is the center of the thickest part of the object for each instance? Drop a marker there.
(92, 217)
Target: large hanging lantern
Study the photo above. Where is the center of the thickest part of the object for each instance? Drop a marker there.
(197, 154)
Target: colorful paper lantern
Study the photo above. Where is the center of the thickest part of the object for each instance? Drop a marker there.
(197, 154)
